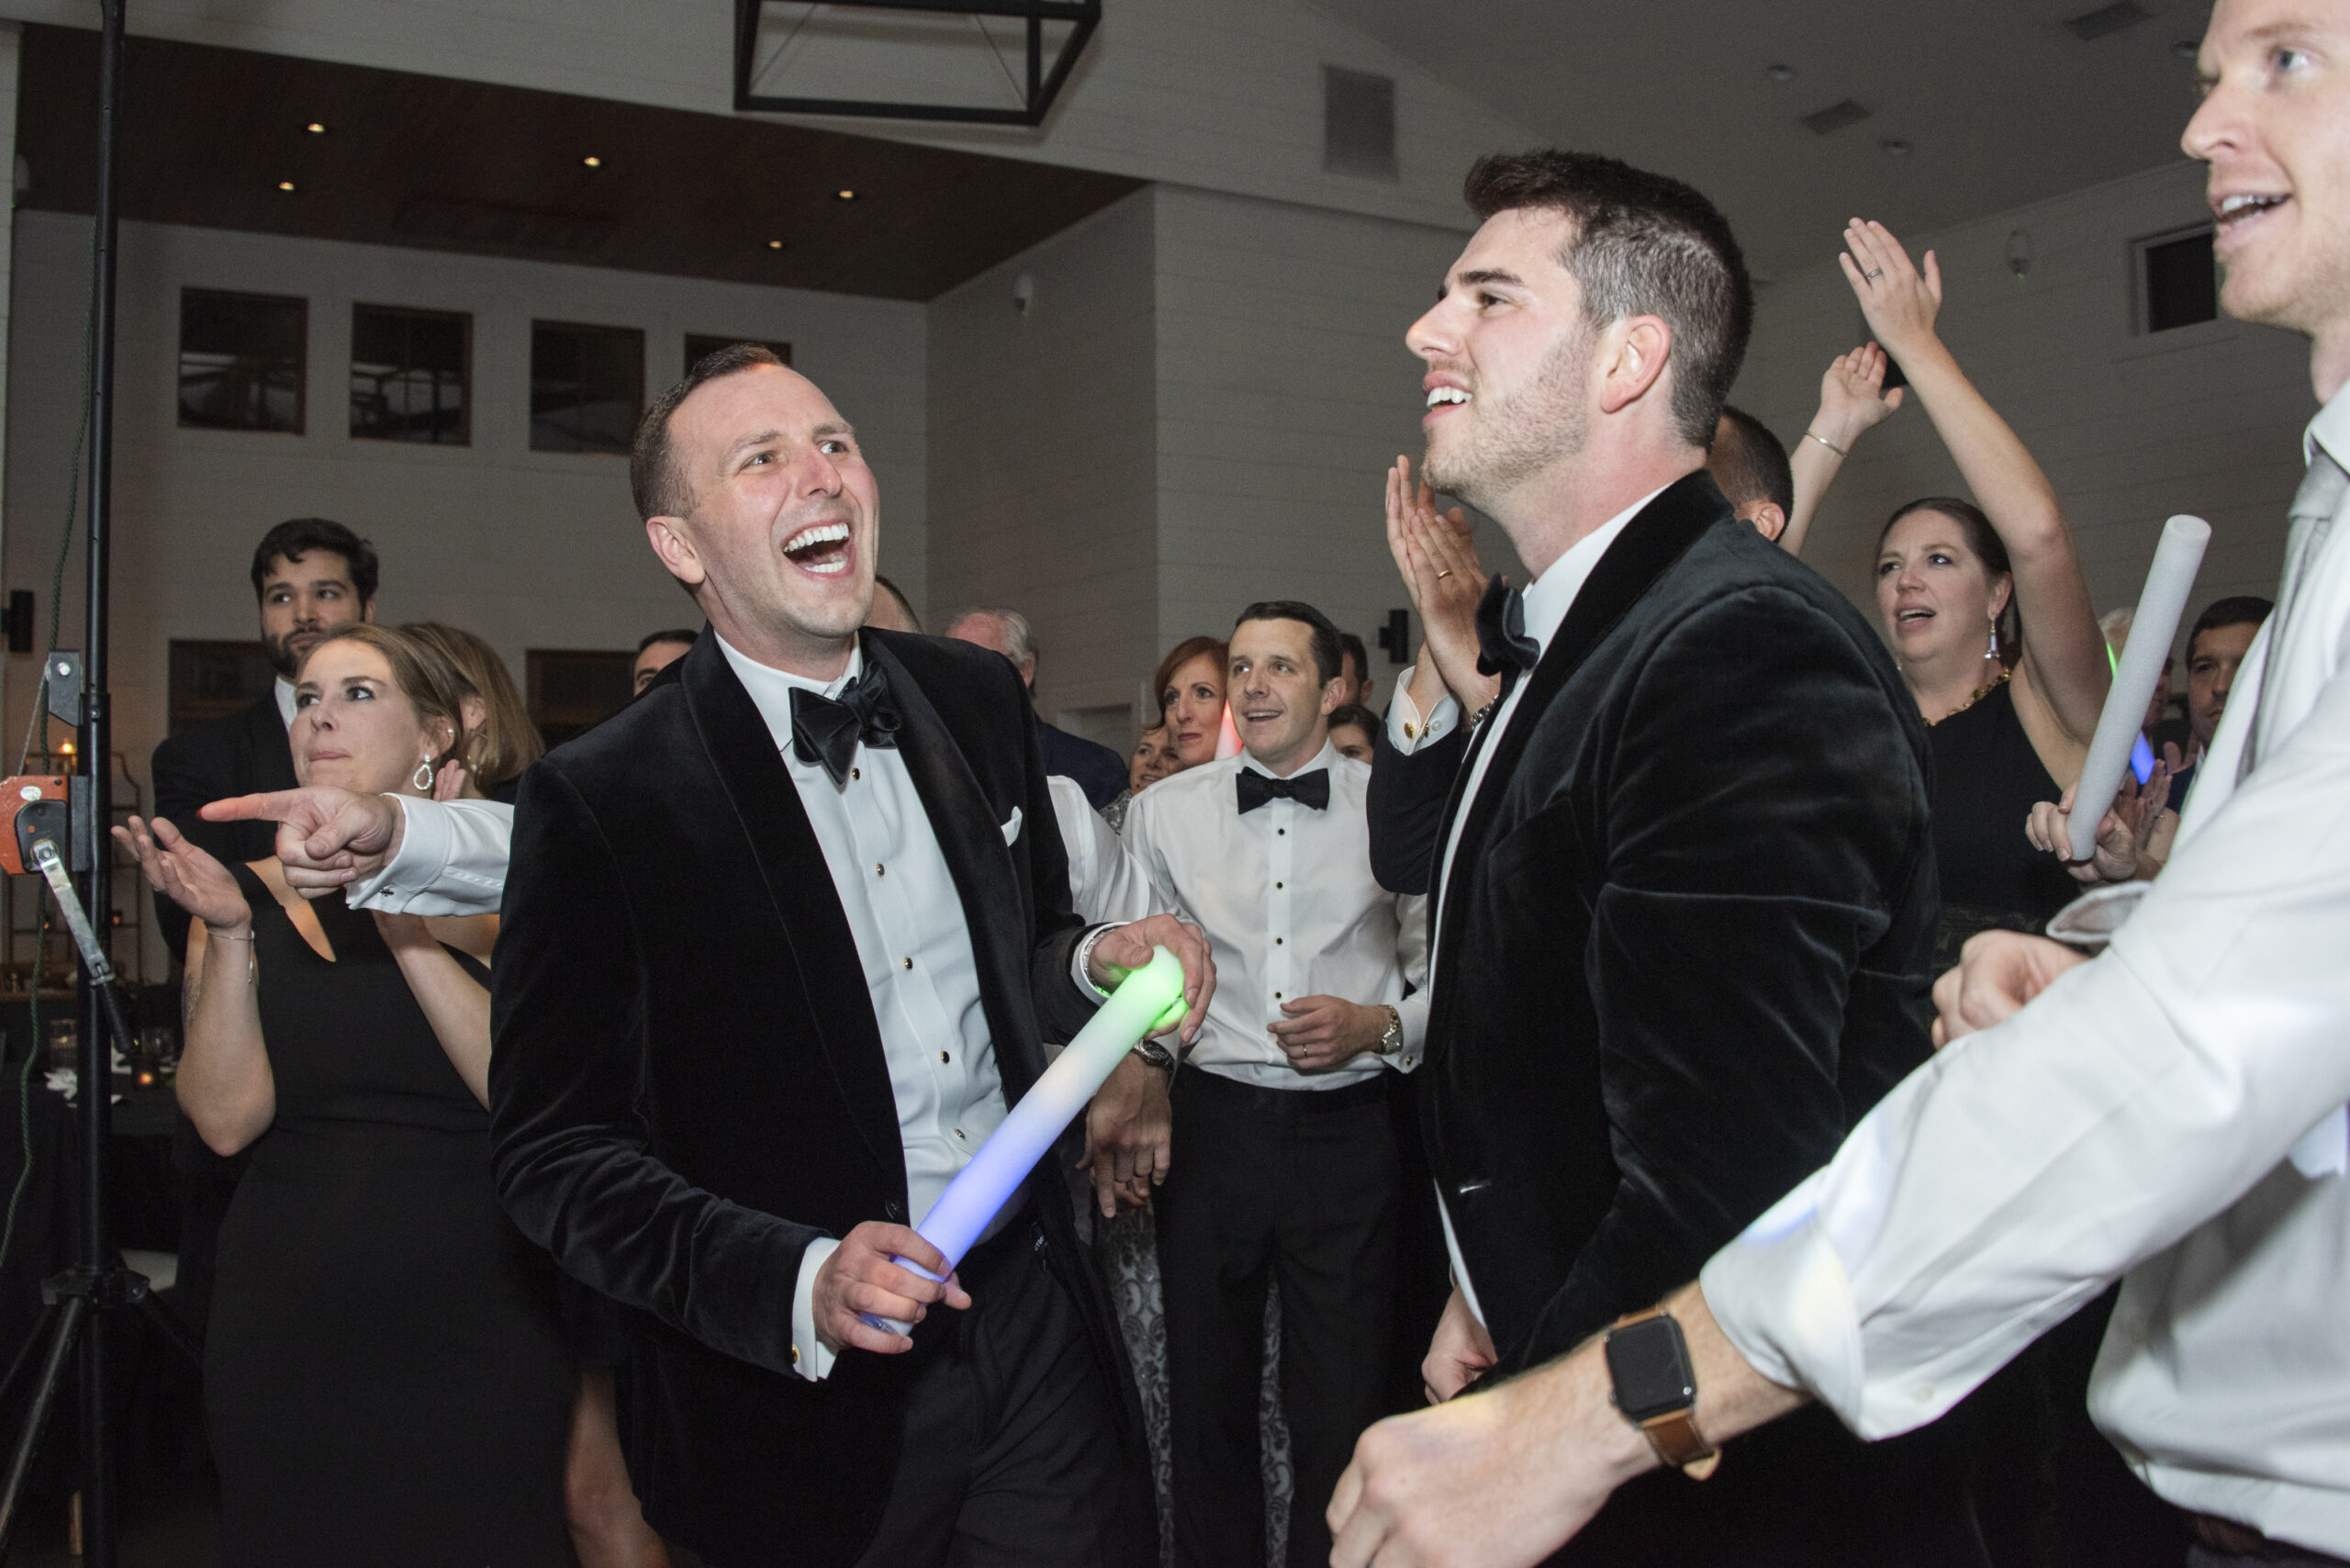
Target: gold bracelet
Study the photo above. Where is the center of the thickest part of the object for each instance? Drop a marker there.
(1838, 450)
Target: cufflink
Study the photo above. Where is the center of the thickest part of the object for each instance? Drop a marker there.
(795, 1355)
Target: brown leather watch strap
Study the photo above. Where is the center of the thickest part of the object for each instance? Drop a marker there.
(1677, 1442)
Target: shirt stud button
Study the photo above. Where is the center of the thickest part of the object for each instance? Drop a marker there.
(942, 1056)
(908, 962)
(1278, 885)
(879, 869)
(958, 1132)
(1277, 941)
(857, 773)
(795, 1355)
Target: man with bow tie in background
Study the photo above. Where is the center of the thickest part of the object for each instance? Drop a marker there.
(1683, 888)
(1285, 1165)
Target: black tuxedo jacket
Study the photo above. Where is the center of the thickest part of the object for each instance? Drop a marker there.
(1684, 946)
(244, 753)
(688, 1085)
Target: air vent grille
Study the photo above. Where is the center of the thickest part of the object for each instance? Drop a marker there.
(1835, 118)
(2105, 20)
(1358, 123)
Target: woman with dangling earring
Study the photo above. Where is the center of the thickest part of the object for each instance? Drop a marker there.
(386, 1377)
(2010, 711)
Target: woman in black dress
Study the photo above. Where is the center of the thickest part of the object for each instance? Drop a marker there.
(385, 1374)
(1989, 618)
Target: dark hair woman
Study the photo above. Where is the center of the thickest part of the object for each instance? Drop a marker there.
(386, 1376)
(1989, 618)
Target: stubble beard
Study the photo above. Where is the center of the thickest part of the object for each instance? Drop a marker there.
(1517, 437)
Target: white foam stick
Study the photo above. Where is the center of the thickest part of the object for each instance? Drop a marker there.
(2168, 581)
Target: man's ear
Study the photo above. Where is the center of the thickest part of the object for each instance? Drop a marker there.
(1329, 697)
(1634, 351)
(367, 613)
(1768, 519)
(669, 542)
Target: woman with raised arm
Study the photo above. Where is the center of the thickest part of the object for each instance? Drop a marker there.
(1989, 617)
(386, 1376)
(1853, 401)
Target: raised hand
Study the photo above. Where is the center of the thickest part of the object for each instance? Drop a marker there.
(2133, 836)
(327, 838)
(1437, 556)
(1899, 302)
(1852, 398)
(186, 875)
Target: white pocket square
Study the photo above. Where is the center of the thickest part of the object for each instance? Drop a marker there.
(1011, 826)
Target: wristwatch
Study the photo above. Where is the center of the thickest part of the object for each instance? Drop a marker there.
(1647, 1363)
(1390, 1039)
(1159, 1055)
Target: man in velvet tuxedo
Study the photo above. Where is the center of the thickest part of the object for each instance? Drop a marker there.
(1684, 886)
(782, 942)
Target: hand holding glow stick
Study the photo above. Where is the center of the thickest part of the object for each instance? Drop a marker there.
(2168, 580)
(1148, 1000)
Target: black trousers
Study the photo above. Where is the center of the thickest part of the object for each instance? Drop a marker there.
(1014, 1456)
(1298, 1186)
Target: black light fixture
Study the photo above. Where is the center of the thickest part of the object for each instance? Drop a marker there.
(1044, 81)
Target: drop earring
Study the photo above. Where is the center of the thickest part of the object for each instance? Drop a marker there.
(1993, 655)
(423, 776)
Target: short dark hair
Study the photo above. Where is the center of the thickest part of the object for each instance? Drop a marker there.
(1753, 465)
(299, 536)
(1350, 645)
(1357, 715)
(652, 479)
(675, 634)
(2242, 610)
(1643, 245)
(1326, 635)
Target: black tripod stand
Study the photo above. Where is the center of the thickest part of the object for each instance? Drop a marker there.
(98, 1284)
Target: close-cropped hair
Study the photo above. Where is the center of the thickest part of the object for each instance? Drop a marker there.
(504, 742)
(1355, 714)
(299, 536)
(2240, 609)
(685, 634)
(653, 477)
(1019, 636)
(1752, 462)
(434, 686)
(1325, 634)
(1181, 654)
(1639, 244)
(1350, 643)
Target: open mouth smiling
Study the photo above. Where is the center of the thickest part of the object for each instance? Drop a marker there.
(821, 549)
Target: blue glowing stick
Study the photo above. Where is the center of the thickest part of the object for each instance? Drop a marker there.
(1148, 1000)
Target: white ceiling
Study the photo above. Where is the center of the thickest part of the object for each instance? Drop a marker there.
(1998, 102)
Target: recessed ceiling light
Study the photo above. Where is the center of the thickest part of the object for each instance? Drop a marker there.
(1895, 147)
(775, 244)
(593, 161)
(1780, 72)
(316, 127)
(845, 195)
(285, 185)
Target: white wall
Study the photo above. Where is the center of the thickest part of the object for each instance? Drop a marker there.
(2131, 429)
(1222, 93)
(1043, 454)
(531, 549)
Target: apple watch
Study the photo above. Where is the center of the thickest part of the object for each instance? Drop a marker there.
(1647, 1363)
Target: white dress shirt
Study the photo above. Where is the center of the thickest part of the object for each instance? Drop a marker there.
(1104, 883)
(283, 689)
(1285, 896)
(1548, 599)
(2161, 1112)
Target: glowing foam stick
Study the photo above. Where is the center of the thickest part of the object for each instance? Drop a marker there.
(1227, 739)
(2177, 558)
(1148, 999)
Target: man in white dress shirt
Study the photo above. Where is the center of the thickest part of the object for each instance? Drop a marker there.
(1286, 1163)
(2170, 1113)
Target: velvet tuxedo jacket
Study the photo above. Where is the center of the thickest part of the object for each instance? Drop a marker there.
(687, 1084)
(244, 753)
(1683, 947)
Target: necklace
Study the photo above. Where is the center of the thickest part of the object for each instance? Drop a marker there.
(1981, 691)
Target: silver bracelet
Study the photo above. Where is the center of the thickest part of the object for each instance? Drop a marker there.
(215, 933)
(1838, 450)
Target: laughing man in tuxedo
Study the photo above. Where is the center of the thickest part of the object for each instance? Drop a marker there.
(782, 942)
(1683, 886)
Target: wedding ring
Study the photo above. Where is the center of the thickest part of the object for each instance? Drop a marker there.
(1879, 273)
(1441, 575)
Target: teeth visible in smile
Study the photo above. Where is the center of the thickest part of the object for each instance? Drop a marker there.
(1446, 395)
(2236, 206)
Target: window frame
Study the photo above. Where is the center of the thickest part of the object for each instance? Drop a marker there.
(465, 319)
(301, 361)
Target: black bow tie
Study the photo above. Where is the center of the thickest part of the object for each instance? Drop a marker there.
(1502, 642)
(826, 730)
(1307, 790)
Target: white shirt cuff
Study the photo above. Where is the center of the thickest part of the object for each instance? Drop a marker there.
(810, 1359)
(1084, 955)
(1414, 1010)
(1782, 1297)
(451, 860)
(1408, 731)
